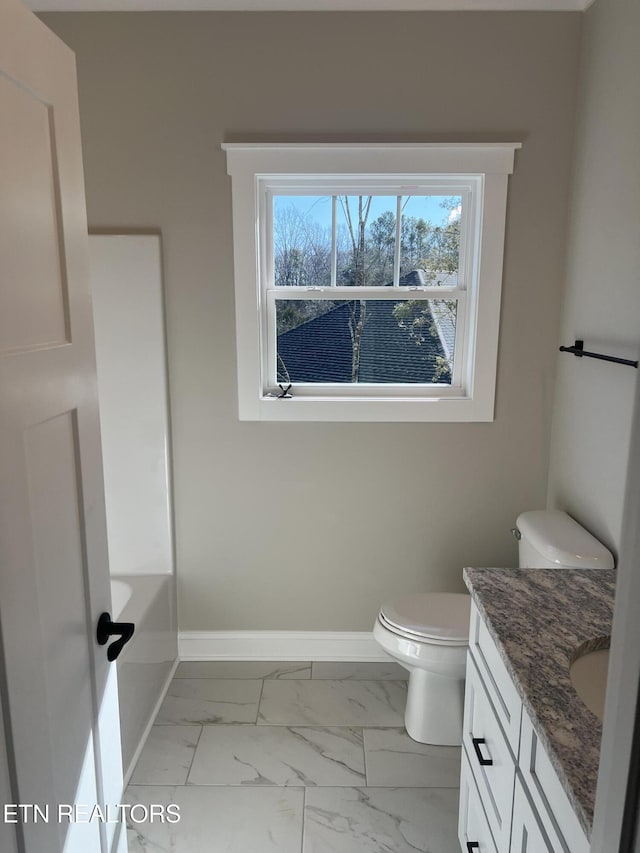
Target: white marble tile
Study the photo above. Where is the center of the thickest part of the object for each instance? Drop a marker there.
(275, 755)
(394, 759)
(332, 703)
(210, 700)
(167, 756)
(364, 671)
(243, 669)
(380, 820)
(219, 820)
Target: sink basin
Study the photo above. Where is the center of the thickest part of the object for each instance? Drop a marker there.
(588, 675)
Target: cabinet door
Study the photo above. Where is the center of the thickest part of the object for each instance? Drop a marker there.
(490, 758)
(547, 794)
(473, 830)
(527, 836)
(496, 679)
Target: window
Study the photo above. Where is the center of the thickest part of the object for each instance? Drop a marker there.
(368, 279)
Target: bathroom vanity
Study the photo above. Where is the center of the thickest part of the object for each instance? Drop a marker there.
(530, 744)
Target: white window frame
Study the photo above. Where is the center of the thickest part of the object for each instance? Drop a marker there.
(479, 172)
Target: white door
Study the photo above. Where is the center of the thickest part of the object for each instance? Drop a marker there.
(58, 689)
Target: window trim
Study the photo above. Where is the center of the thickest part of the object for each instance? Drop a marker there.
(254, 166)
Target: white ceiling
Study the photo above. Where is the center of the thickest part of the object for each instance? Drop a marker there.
(305, 5)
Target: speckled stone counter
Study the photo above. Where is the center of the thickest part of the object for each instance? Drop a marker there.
(541, 621)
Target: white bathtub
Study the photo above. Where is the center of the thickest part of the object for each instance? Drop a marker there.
(146, 663)
(120, 595)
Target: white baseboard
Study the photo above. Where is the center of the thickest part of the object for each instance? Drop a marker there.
(279, 646)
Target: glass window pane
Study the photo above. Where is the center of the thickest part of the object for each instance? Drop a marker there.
(302, 241)
(366, 240)
(430, 240)
(372, 340)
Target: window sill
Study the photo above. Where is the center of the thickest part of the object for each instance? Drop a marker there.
(410, 410)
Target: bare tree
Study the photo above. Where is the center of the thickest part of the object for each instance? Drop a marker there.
(302, 249)
(358, 312)
(365, 256)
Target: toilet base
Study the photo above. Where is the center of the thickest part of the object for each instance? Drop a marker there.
(434, 708)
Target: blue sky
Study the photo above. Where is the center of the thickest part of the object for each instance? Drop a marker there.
(318, 208)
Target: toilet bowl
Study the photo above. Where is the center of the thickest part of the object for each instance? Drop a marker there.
(428, 634)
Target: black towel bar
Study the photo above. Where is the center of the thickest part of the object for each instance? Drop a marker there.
(579, 350)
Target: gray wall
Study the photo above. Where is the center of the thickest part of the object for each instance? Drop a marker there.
(312, 526)
(594, 400)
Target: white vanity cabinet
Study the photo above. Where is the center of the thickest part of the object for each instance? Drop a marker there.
(475, 835)
(511, 800)
(526, 833)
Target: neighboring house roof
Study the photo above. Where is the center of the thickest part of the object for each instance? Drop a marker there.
(320, 350)
(444, 320)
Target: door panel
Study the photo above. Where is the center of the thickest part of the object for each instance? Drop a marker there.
(51, 450)
(28, 177)
(59, 693)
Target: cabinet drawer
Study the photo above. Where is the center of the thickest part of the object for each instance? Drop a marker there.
(503, 694)
(473, 830)
(489, 757)
(527, 835)
(547, 794)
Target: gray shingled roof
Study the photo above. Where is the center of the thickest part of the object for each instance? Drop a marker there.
(320, 350)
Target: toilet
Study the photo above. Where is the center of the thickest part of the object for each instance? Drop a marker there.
(428, 633)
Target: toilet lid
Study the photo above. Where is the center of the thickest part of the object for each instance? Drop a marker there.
(434, 615)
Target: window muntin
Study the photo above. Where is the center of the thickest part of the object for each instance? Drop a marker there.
(316, 238)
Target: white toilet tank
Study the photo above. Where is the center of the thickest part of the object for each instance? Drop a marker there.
(552, 539)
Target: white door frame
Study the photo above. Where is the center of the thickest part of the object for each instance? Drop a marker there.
(624, 672)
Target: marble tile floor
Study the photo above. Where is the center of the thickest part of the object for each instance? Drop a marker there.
(292, 758)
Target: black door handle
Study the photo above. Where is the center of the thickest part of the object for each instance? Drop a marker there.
(476, 741)
(472, 845)
(107, 628)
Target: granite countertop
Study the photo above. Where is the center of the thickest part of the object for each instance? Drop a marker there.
(541, 621)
